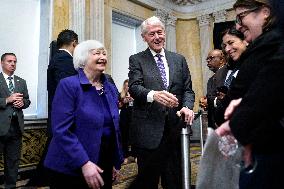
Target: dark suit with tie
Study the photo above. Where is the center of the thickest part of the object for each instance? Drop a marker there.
(152, 123)
(12, 128)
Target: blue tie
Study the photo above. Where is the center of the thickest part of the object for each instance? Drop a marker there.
(161, 67)
(11, 86)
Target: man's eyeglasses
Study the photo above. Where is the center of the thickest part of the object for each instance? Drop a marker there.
(241, 16)
(209, 58)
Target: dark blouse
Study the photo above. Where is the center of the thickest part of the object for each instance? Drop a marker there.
(108, 123)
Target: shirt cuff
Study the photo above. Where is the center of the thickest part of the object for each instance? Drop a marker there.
(150, 96)
(215, 102)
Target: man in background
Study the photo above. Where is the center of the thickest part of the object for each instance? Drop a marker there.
(60, 65)
(215, 60)
(14, 97)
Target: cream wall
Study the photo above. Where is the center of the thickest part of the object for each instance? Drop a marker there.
(60, 17)
(188, 44)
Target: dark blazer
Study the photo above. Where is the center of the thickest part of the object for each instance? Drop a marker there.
(211, 95)
(148, 123)
(257, 119)
(6, 110)
(60, 66)
(220, 76)
(79, 123)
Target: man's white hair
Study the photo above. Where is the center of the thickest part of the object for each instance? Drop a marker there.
(154, 21)
(82, 52)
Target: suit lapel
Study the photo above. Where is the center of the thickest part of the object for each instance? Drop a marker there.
(224, 75)
(170, 61)
(17, 84)
(3, 85)
(152, 67)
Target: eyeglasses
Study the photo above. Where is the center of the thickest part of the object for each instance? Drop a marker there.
(241, 16)
(209, 58)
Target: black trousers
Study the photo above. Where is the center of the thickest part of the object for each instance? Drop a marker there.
(164, 162)
(12, 143)
(64, 181)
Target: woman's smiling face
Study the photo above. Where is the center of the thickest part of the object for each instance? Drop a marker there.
(251, 21)
(233, 46)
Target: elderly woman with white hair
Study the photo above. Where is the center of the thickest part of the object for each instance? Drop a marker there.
(85, 150)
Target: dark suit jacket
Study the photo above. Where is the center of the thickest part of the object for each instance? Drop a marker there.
(211, 95)
(220, 76)
(148, 123)
(6, 110)
(60, 66)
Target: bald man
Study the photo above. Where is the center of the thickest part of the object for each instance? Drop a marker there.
(215, 60)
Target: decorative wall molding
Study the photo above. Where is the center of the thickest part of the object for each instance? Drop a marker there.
(77, 18)
(205, 28)
(171, 20)
(188, 10)
(171, 33)
(97, 20)
(125, 20)
(220, 16)
(162, 14)
(186, 2)
(170, 26)
(204, 20)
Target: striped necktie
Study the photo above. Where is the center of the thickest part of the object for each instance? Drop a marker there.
(10, 86)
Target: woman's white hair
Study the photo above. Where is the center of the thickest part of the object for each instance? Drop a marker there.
(82, 52)
(154, 21)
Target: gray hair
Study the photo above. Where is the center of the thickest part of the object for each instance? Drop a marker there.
(82, 52)
(154, 21)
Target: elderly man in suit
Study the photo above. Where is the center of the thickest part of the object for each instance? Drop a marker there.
(215, 60)
(160, 83)
(13, 98)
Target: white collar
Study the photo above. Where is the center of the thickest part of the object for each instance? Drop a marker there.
(6, 76)
(161, 53)
(66, 51)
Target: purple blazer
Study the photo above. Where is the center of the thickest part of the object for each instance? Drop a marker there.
(77, 124)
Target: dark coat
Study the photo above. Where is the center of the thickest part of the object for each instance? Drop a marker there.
(251, 62)
(211, 95)
(221, 76)
(259, 118)
(60, 66)
(148, 119)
